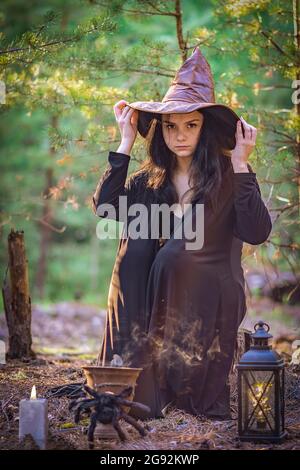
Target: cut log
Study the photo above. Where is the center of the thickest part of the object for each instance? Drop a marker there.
(16, 298)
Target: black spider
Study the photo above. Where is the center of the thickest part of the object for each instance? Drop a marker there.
(107, 409)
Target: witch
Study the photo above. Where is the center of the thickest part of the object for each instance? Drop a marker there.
(171, 310)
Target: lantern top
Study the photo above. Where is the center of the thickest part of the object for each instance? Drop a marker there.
(261, 353)
(261, 333)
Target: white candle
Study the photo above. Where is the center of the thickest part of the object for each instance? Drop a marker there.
(2, 352)
(33, 419)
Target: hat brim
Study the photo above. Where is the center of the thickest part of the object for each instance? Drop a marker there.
(226, 117)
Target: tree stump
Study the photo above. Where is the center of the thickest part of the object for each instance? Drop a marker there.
(243, 342)
(16, 298)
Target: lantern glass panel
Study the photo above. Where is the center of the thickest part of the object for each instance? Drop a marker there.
(258, 410)
(281, 400)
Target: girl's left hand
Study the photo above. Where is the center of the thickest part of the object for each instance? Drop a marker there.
(244, 145)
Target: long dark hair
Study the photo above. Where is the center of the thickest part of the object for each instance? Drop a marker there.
(210, 162)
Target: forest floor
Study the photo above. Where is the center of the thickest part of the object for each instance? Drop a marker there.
(66, 337)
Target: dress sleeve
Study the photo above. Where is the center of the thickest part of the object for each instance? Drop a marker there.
(112, 185)
(252, 221)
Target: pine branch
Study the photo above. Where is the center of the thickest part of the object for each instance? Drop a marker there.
(155, 10)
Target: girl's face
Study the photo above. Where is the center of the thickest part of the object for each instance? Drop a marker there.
(182, 130)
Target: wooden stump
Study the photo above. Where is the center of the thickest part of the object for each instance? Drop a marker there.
(16, 298)
(243, 342)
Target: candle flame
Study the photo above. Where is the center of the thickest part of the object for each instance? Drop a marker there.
(33, 393)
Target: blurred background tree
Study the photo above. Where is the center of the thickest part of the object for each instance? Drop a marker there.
(65, 64)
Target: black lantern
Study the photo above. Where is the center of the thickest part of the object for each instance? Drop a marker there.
(261, 390)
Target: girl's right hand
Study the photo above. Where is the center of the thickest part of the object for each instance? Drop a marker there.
(126, 118)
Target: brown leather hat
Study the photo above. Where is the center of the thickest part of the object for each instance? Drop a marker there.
(191, 89)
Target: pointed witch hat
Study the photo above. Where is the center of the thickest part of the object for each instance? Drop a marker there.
(191, 89)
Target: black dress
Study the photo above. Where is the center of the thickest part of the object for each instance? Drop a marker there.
(179, 310)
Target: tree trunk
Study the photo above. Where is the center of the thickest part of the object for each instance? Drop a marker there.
(45, 237)
(45, 232)
(296, 17)
(17, 302)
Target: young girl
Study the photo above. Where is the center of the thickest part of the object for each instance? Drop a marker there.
(176, 312)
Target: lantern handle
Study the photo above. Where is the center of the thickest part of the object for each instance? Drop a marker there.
(261, 324)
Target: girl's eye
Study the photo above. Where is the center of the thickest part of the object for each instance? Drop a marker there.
(172, 125)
